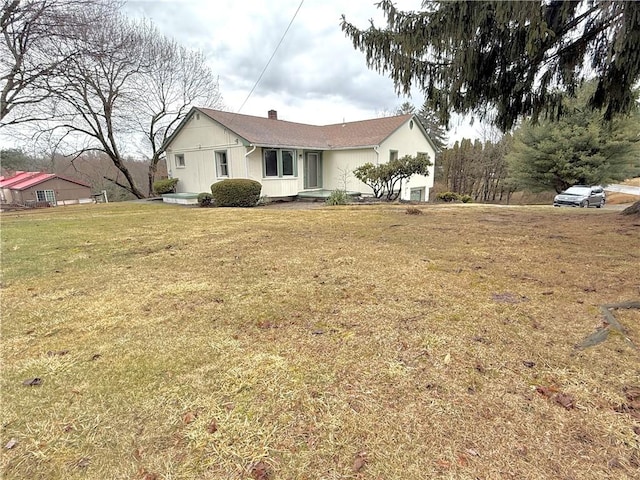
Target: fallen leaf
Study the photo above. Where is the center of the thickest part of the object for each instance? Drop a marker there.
(636, 430)
(565, 400)
(261, 471)
(11, 443)
(529, 364)
(360, 461)
(213, 426)
(189, 417)
(546, 391)
(472, 452)
(83, 462)
(144, 475)
(614, 463)
(447, 359)
(96, 356)
(462, 461)
(32, 382)
(443, 463)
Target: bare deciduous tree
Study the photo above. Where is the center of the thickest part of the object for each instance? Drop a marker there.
(111, 82)
(177, 80)
(33, 47)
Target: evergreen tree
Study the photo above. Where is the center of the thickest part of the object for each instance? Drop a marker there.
(507, 58)
(578, 148)
(405, 109)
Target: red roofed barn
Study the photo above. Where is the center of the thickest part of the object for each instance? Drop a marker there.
(292, 159)
(31, 188)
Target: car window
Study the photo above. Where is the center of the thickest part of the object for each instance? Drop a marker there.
(578, 191)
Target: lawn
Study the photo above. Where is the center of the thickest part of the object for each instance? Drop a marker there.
(330, 343)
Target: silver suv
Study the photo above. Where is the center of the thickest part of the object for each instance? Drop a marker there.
(581, 196)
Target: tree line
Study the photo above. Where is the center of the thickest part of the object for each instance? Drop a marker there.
(80, 77)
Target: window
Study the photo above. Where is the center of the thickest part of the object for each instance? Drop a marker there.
(279, 163)
(270, 163)
(393, 155)
(180, 160)
(222, 167)
(288, 158)
(46, 196)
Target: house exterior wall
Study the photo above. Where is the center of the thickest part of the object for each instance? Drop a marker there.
(408, 140)
(339, 165)
(65, 192)
(7, 196)
(198, 141)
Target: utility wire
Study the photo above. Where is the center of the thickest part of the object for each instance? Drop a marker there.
(272, 55)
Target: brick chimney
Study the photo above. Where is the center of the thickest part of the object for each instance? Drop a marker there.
(273, 115)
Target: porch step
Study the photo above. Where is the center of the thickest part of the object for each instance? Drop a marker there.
(180, 198)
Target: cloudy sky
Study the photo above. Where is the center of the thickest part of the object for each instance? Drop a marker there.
(316, 75)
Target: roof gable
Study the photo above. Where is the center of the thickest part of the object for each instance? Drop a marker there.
(267, 132)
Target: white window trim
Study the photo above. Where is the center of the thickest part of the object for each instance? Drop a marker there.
(218, 164)
(182, 164)
(49, 196)
(294, 155)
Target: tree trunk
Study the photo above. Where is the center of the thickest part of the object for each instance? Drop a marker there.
(633, 209)
(153, 169)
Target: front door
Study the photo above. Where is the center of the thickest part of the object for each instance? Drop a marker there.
(312, 170)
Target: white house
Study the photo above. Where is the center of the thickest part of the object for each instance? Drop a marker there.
(290, 158)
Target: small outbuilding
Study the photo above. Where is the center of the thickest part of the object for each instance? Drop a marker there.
(39, 188)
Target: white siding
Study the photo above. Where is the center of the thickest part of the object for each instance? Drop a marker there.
(410, 141)
(198, 141)
(337, 164)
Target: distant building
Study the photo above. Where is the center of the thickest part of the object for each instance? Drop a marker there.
(39, 188)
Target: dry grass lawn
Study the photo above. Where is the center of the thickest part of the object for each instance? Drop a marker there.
(332, 343)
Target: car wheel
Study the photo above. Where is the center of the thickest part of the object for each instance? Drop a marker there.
(584, 204)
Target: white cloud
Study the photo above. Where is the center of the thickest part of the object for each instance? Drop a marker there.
(316, 75)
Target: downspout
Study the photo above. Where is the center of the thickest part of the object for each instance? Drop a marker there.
(376, 149)
(246, 160)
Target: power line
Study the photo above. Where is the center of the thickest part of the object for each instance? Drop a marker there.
(272, 55)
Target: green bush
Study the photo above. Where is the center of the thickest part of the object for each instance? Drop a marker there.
(236, 192)
(205, 199)
(466, 198)
(386, 178)
(337, 197)
(165, 186)
(448, 197)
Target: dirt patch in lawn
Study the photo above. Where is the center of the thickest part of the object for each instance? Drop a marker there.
(334, 343)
